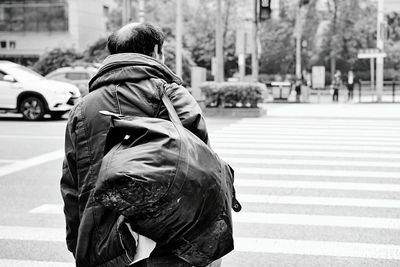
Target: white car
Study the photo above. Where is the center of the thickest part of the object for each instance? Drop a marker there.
(79, 76)
(25, 91)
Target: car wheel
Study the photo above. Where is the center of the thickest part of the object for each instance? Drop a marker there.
(32, 108)
(57, 115)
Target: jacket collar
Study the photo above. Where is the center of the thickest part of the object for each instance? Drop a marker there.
(131, 67)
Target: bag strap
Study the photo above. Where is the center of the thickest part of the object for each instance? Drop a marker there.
(173, 116)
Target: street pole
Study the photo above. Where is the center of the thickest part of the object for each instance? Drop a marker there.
(126, 12)
(254, 52)
(298, 43)
(372, 67)
(178, 48)
(141, 12)
(379, 45)
(219, 52)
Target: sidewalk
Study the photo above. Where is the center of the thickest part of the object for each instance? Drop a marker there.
(338, 110)
(326, 97)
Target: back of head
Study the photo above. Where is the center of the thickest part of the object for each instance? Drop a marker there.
(136, 38)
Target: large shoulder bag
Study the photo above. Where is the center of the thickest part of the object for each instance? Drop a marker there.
(172, 187)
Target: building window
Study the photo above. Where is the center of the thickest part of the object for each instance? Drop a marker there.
(3, 44)
(33, 15)
(106, 11)
(12, 44)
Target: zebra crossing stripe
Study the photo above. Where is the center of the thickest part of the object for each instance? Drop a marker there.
(25, 263)
(347, 121)
(48, 209)
(325, 120)
(346, 163)
(244, 244)
(306, 153)
(319, 172)
(308, 141)
(8, 161)
(300, 136)
(25, 164)
(307, 147)
(32, 233)
(319, 201)
(262, 132)
(318, 248)
(313, 126)
(46, 137)
(316, 220)
(257, 183)
(296, 219)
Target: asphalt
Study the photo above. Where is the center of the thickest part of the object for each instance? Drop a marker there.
(257, 243)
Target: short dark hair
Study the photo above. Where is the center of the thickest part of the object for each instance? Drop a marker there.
(138, 38)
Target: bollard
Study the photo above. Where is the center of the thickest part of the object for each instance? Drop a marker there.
(393, 91)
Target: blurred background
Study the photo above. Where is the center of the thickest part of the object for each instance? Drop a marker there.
(284, 38)
(301, 97)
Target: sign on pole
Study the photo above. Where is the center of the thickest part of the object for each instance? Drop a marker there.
(318, 77)
(243, 42)
(371, 53)
(214, 66)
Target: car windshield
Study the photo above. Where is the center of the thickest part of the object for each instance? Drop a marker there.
(21, 73)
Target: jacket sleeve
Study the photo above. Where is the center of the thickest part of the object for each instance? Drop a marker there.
(188, 110)
(69, 187)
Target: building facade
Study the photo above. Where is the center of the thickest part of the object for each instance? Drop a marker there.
(28, 28)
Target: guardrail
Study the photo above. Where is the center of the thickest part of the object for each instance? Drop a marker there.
(389, 88)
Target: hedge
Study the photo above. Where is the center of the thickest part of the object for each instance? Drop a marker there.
(232, 94)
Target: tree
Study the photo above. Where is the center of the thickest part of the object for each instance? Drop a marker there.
(200, 34)
(55, 59)
(96, 52)
(278, 43)
(392, 45)
(352, 27)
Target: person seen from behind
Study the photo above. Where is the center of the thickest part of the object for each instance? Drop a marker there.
(350, 85)
(127, 85)
(337, 83)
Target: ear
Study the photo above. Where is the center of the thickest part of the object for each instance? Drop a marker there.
(157, 55)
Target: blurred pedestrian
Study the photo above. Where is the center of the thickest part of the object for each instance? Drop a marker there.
(126, 84)
(297, 89)
(350, 85)
(337, 83)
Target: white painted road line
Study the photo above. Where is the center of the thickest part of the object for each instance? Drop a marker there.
(316, 220)
(46, 137)
(319, 172)
(320, 201)
(257, 183)
(318, 248)
(284, 124)
(32, 233)
(300, 127)
(300, 136)
(25, 263)
(261, 132)
(261, 245)
(8, 161)
(313, 162)
(307, 147)
(48, 209)
(28, 163)
(347, 121)
(309, 141)
(306, 153)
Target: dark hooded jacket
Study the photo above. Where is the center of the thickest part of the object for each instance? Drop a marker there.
(95, 235)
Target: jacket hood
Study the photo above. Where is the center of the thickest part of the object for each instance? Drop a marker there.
(131, 67)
